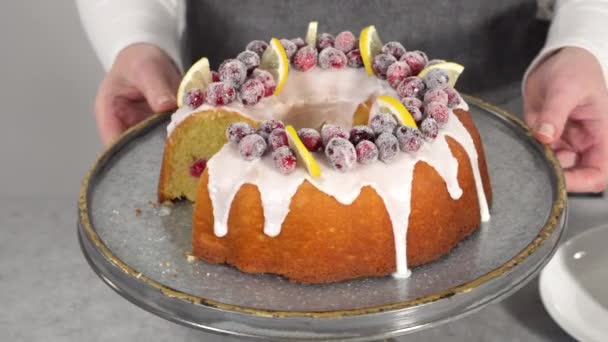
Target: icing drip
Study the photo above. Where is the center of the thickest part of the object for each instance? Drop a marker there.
(392, 182)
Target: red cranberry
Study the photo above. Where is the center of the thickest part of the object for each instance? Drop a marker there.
(220, 93)
(252, 147)
(410, 139)
(284, 160)
(388, 147)
(341, 154)
(311, 138)
(393, 48)
(412, 86)
(215, 76)
(252, 91)
(383, 122)
(367, 152)
(453, 97)
(277, 138)
(380, 64)
(437, 111)
(267, 80)
(238, 130)
(416, 60)
(233, 71)
(436, 95)
(332, 58)
(197, 168)
(429, 129)
(305, 59)
(195, 98)
(397, 72)
(360, 133)
(300, 43)
(330, 131)
(354, 59)
(290, 47)
(270, 125)
(250, 59)
(257, 46)
(345, 41)
(325, 40)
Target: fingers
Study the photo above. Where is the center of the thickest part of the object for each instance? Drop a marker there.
(559, 102)
(567, 159)
(586, 179)
(158, 81)
(108, 124)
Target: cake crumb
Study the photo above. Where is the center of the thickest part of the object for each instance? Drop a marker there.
(164, 211)
(137, 211)
(191, 258)
(153, 204)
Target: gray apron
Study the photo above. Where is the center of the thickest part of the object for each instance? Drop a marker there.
(495, 40)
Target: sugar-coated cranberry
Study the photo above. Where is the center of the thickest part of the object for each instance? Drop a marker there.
(290, 47)
(380, 64)
(388, 147)
(197, 168)
(233, 71)
(354, 59)
(341, 154)
(436, 95)
(360, 133)
(252, 91)
(411, 102)
(436, 78)
(277, 138)
(270, 125)
(416, 60)
(238, 130)
(332, 58)
(300, 43)
(267, 80)
(345, 41)
(311, 138)
(437, 111)
(305, 59)
(395, 49)
(194, 98)
(383, 123)
(284, 160)
(429, 128)
(410, 139)
(215, 76)
(415, 112)
(252, 146)
(220, 93)
(412, 86)
(330, 131)
(325, 40)
(453, 97)
(257, 46)
(367, 152)
(250, 59)
(397, 72)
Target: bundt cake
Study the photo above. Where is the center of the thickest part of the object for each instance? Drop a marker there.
(323, 159)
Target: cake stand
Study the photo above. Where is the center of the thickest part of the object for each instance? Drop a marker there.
(140, 249)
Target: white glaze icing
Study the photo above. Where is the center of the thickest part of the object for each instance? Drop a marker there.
(307, 100)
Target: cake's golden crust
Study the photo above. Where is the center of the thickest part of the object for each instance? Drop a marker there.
(323, 240)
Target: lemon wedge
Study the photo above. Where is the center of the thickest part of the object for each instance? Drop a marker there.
(302, 152)
(311, 34)
(453, 69)
(274, 60)
(390, 104)
(370, 45)
(197, 77)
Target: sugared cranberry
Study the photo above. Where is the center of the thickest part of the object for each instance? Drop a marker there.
(341, 154)
(436, 78)
(411, 102)
(412, 86)
(453, 97)
(429, 129)
(388, 147)
(395, 49)
(397, 72)
(197, 168)
(305, 59)
(383, 123)
(270, 125)
(360, 133)
(252, 146)
(267, 80)
(410, 139)
(311, 138)
(252, 91)
(277, 138)
(257, 46)
(354, 58)
(220, 93)
(300, 43)
(436, 95)
(345, 41)
(330, 131)
(284, 160)
(380, 64)
(332, 58)
(215, 76)
(416, 60)
(325, 40)
(367, 152)
(250, 59)
(290, 47)
(437, 111)
(416, 113)
(238, 130)
(194, 98)
(233, 71)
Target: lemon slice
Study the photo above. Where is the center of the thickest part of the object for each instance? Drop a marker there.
(198, 76)
(303, 154)
(274, 60)
(311, 34)
(389, 104)
(453, 69)
(370, 45)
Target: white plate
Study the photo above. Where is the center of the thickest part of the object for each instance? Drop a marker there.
(574, 286)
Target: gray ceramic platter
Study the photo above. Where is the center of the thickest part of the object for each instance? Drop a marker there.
(140, 249)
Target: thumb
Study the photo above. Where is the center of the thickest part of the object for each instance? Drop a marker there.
(551, 120)
(158, 82)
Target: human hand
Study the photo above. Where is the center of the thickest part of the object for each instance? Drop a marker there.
(566, 103)
(143, 80)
